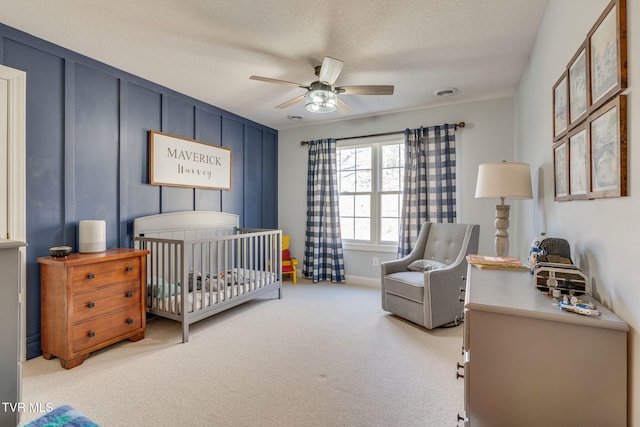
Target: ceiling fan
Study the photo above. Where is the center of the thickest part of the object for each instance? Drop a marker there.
(322, 95)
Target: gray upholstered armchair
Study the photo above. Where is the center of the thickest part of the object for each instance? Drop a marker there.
(424, 286)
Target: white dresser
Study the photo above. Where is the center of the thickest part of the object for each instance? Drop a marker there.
(528, 363)
(10, 373)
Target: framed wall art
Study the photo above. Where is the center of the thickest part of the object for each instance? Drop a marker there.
(561, 170)
(560, 107)
(607, 43)
(608, 145)
(578, 86)
(182, 162)
(578, 145)
(589, 113)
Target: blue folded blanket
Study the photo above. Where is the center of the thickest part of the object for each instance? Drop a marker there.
(162, 289)
(63, 416)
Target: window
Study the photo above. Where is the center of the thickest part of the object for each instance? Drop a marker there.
(370, 180)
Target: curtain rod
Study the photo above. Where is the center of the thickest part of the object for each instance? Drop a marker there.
(457, 125)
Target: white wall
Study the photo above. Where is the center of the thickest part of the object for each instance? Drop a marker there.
(487, 137)
(602, 232)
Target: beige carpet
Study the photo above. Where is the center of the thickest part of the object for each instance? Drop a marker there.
(324, 355)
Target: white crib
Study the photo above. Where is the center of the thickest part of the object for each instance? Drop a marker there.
(201, 263)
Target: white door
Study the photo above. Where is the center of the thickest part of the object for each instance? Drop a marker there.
(13, 188)
(12, 153)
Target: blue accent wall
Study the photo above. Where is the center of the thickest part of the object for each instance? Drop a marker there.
(87, 154)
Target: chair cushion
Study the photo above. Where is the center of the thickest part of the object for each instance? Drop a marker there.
(407, 284)
(425, 265)
(286, 255)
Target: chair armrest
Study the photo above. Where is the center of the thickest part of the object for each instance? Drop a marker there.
(393, 266)
(442, 293)
(443, 277)
(389, 267)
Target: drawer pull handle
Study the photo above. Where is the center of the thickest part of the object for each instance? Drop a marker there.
(460, 299)
(129, 321)
(458, 374)
(129, 294)
(91, 334)
(91, 276)
(91, 305)
(129, 268)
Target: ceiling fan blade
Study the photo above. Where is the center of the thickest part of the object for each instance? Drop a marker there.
(366, 90)
(290, 102)
(330, 70)
(343, 107)
(282, 82)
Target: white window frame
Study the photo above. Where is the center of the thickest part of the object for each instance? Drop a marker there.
(374, 245)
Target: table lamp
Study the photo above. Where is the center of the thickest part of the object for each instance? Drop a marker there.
(503, 180)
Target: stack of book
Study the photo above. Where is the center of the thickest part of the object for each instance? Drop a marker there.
(492, 262)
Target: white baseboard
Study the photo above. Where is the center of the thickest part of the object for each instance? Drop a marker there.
(364, 281)
(357, 280)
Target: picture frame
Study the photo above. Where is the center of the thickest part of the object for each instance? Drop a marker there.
(176, 161)
(579, 86)
(608, 149)
(560, 107)
(561, 170)
(607, 45)
(579, 170)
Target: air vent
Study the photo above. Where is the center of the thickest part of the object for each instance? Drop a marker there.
(294, 117)
(449, 91)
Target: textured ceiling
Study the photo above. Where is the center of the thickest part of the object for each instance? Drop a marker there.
(208, 48)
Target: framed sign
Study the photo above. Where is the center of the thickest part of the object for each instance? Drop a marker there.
(608, 53)
(181, 162)
(608, 134)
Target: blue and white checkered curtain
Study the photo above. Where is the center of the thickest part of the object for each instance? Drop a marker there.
(323, 259)
(429, 181)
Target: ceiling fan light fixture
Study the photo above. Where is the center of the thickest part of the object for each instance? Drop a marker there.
(321, 101)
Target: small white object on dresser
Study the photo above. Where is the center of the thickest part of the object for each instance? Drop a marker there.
(529, 363)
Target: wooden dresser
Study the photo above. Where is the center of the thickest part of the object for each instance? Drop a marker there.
(528, 363)
(90, 301)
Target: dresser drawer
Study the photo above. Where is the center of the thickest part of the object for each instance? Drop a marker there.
(105, 328)
(105, 300)
(91, 276)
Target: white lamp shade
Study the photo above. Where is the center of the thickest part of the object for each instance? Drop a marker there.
(504, 179)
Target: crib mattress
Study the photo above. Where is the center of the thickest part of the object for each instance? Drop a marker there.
(242, 281)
